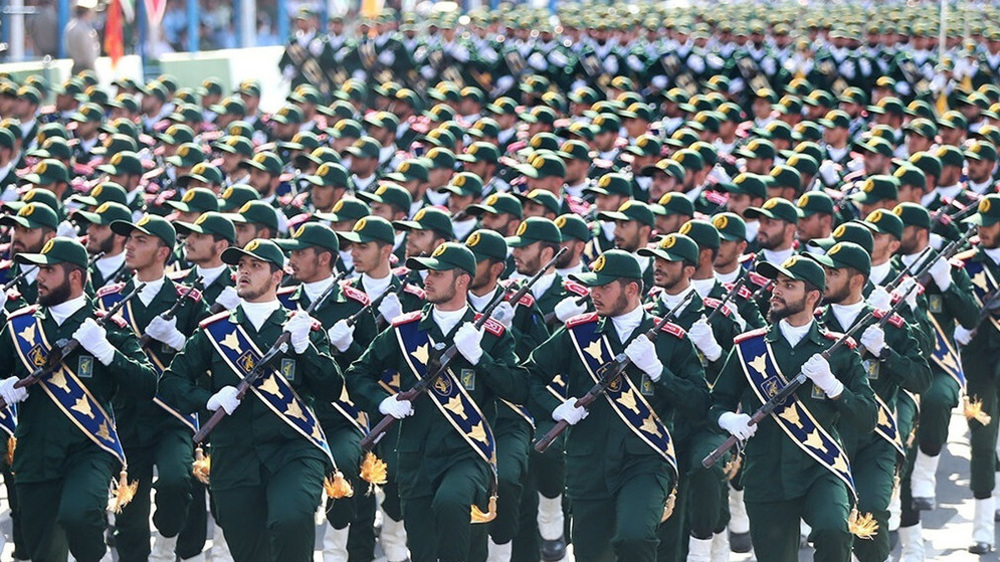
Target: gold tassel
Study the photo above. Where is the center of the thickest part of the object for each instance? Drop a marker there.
(336, 486)
(491, 513)
(732, 467)
(202, 466)
(11, 445)
(862, 526)
(668, 506)
(374, 471)
(974, 411)
(122, 491)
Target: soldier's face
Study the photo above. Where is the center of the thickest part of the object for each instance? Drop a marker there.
(528, 259)
(442, 286)
(772, 233)
(245, 232)
(254, 278)
(787, 298)
(367, 256)
(324, 197)
(609, 203)
(989, 236)
(612, 299)
(729, 253)
(504, 223)
(100, 238)
(980, 170)
(532, 209)
(27, 240)
(884, 246)
(916, 143)
(53, 285)
(838, 285)
(307, 266)
(143, 250)
(420, 242)
(629, 235)
(816, 225)
(668, 274)
(201, 248)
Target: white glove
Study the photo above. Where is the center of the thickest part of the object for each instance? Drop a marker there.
(911, 296)
(702, 337)
(166, 331)
(941, 273)
(67, 228)
(226, 398)
(962, 336)
(94, 338)
(880, 299)
(393, 406)
(288, 72)
(642, 352)
(873, 338)
(504, 314)
(228, 298)
(818, 370)
(738, 425)
(3, 299)
(828, 171)
(299, 326)
(390, 307)
(567, 308)
(568, 412)
(341, 335)
(10, 394)
(468, 340)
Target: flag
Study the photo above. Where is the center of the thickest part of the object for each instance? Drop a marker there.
(114, 34)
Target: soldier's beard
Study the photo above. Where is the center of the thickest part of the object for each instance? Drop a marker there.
(789, 308)
(57, 295)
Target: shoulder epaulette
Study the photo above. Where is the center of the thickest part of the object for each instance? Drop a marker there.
(354, 294)
(716, 197)
(836, 336)
(118, 320)
(214, 318)
(22, 311)
(527, 300)
(286, 290)
(414, 290)
(492, 326)
(673, 329)
(189, 292)
(747, 257)
(716, 303)
(178, 274)
(407, 318)
(967, 254)
(750, 334)
(575, 288)
(581, 319)
(896, 320)
(401, 271)
(819, 311)
(6, 264)
(743, 292)
(955, 262)
(757, 278)
(110, 289)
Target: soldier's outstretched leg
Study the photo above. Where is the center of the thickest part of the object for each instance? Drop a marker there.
(981, 376)
(173, 456)
(132, 524)
(874, 468)
(936, 405)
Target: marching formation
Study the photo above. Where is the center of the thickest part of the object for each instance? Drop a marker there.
(622, 283)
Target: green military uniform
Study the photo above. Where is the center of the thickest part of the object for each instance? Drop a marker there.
(266, 476)
(618, 496)
(63, 469)
(783, 483)
(440, 474)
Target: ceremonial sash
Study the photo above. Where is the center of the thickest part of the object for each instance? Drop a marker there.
(344, 405)
(886, 426)
(984, 285)
(448, 394)
(241, 354)
(766, 380)
(8, 419)
(63, 386)
(944, 354)
(625, 399)
(110, 300)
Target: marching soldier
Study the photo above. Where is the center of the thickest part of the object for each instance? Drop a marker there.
(796, 468)
(155, 435)
(447, 451)
(67, 416)
(101, 238)
(269, 455)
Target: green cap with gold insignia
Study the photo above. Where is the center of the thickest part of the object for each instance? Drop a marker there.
(196, 200)
(57, 250)
(445, 257)
(429, 218)
(775, 208)
(535, 229)
(674, 247)
(845, 254)
(487, 244)
(267, 162)
(105, 214)
(673, 204)
(913, 215)
(703, 232)
(212, 223)
(311, 235)
(464, 184)
(258, 249)
(259, 212)
(731, 227)
(148, 224)
(205, 172)
(630, 211)
(884, 222)
(543, 166)
(497, 203)
(101, 193)
(370, 229)
(981, 150)
(47, 172)
(572, 226)
(988, 211)
(330, 174)
(877, 188)
(235, 196)
(610, 267)
(611, 184)
(797, 268)
(388, 193)
(33, 215)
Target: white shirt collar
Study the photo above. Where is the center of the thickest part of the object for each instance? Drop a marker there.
(110, 264)
(315, 289)
(447, 320)
(258, 312)
(626, 323)
(543, 284)
(60, 312)
(792, 334)
(993, 253)
(847, 313)
(150, 289)
(880, 272)
(210, 274)
(375, 287)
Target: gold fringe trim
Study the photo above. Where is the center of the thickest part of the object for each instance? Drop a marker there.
(122, 491)
(862, 526)
(669, 505)
(201, 468)
(11, 445)
(732, 468)
(336, 486)
(374, 471)
(491, 513)
(973, 410)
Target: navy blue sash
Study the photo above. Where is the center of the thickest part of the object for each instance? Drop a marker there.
(984, 285)
(944, 354)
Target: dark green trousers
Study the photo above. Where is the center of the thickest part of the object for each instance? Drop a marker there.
(172, 456)
(622, 527)
(386, 451)
(874, 470)
(273, 522)
(20, 551)
(936, 405)
(774, 526)
(358, 511)
(438, 525)
(907, 418)
(513, 438)
(191, 541)
(981, 372)
(546, 476)
(69, 514)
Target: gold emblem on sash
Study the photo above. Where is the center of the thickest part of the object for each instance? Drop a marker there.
(420, 354)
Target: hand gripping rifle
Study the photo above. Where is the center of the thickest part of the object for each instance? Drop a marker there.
(946, 253)
(990, 305)
(147, 339)
(276, 352)
(63, 348)
(438, 368)
(732, 292)
(787, 391)
(374, 304)
(609, 373)
(551, 317)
